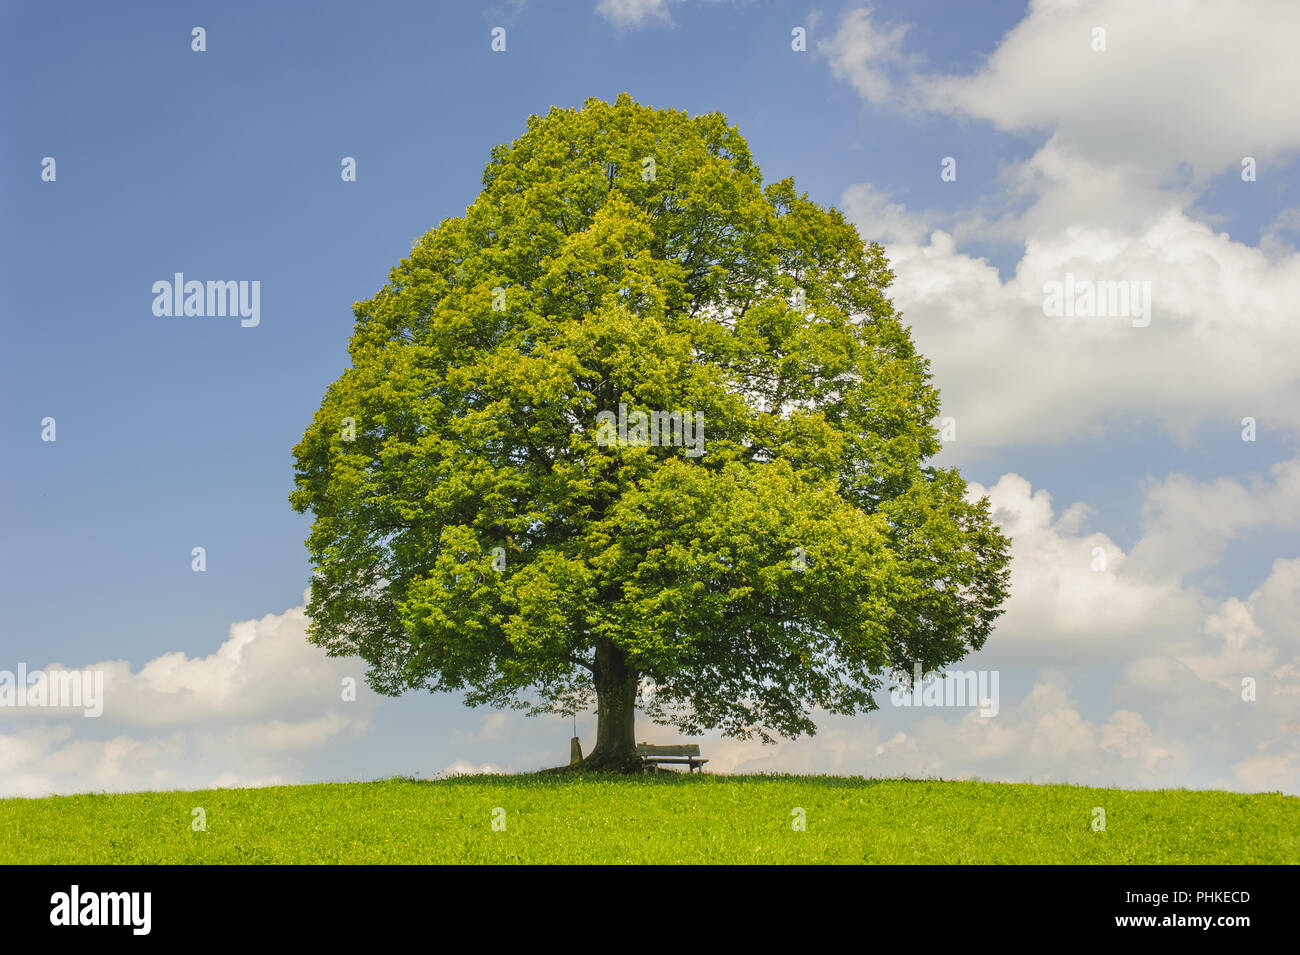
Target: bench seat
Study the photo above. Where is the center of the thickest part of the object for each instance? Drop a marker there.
(687, 754)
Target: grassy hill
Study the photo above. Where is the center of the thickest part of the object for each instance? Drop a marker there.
(666, 818)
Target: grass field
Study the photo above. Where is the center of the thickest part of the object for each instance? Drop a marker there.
(667, 818)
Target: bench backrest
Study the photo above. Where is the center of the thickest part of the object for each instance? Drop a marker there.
(685, 749)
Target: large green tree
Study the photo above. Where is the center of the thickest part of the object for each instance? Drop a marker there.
(476, 529)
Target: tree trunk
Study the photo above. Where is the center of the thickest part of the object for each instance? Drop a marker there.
(616, 685)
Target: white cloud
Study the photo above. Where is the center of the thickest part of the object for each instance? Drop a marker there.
(1128, 139)
(1180, 84)
(1255, 638)
(865, 54)
(634, 14)
(1220, 345)
(1199, 691)
(265, 668)
(1270, 770)
(1074, 596)
(1189, 523)
(248, 714)
(880, 220)
(1078, 597)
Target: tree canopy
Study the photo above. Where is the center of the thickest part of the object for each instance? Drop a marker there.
(480, 526)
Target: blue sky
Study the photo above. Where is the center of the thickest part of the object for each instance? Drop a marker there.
(176, 432)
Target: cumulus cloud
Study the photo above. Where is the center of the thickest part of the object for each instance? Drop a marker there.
(1218, 348)
(1078, 597)
(1177, 85)
(1180, 84)
(1128, 139)
(1236, 689)
(247, 714)
(1075, 595)
(880, 219)
(1189, 523)
(867, 54)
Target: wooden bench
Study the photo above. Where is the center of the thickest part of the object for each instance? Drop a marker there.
(688, 753)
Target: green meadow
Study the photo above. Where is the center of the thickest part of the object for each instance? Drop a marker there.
(663, 818)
